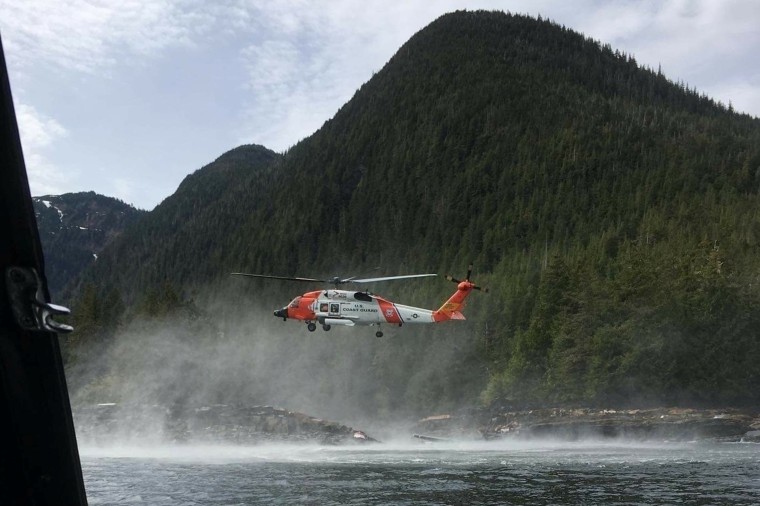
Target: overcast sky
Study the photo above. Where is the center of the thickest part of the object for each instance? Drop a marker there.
(128, 97)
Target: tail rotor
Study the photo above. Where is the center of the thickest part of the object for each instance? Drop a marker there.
(467, 280)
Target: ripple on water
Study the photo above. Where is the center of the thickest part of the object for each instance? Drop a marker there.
(566, 473)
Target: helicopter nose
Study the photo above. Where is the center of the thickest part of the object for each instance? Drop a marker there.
(281, 313)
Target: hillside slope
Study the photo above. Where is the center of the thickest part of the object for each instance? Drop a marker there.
(613, 213)
(181, 239)
(74, 228)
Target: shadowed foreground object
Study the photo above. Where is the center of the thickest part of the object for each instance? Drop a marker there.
(39, 461)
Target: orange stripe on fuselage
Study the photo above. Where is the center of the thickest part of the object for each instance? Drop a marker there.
(388, 310)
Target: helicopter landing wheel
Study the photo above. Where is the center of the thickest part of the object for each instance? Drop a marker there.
(326, 327)
(311, 327)
(378, 334)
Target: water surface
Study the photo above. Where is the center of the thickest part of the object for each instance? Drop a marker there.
(504, 472)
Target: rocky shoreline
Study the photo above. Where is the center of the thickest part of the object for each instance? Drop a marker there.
(105, 423)
(219, 423)
(673, 424)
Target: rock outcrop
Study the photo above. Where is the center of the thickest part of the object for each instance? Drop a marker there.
(662, 424)
(208, 424)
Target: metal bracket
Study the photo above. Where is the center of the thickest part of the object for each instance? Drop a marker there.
(28, 302)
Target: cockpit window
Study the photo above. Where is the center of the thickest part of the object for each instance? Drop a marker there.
(363, 296)
(295, 302)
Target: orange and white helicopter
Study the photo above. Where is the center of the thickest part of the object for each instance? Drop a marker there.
(349, 307)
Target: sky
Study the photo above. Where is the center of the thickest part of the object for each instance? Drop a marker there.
(127, 98)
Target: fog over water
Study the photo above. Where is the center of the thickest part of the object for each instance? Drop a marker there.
(234, 354)
(405, 449)
(237, 353)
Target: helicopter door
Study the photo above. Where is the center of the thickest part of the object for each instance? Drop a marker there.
(334, 309)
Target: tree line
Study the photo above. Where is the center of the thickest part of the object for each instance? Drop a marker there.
(612, 212)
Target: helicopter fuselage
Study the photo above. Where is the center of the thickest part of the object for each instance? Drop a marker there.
(349, 308)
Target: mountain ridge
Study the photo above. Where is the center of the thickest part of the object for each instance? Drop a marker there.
(613, 214)
(74, 228)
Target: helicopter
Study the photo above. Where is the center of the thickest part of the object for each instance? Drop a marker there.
(349, 308)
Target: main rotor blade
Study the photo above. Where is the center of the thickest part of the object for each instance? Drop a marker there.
(309, 280)
(389, 278)
(452, 278)
(469, 272)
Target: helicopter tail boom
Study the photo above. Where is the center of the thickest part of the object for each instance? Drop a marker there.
(452, 308)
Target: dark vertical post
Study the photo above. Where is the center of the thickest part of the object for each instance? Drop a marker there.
(39, 460)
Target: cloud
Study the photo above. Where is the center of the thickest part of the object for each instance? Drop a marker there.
(284, 67)
(123, 189)
(703, 43)
(309, 60)
(74, 44)
(88, 36)
(741, 94)
(306, 61)
(38, 135)
(37, 131)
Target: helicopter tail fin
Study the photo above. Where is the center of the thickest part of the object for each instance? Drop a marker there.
(452, 308)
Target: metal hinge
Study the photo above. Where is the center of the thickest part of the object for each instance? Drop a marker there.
(28, 302)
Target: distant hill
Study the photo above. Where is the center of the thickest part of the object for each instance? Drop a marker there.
(74, 228)
(613, 212)
(180, 240)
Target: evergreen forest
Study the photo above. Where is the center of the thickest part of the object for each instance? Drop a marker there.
(612, 212)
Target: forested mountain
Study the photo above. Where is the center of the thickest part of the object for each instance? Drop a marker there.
(181, 241)
(74, 229)
(613, 213)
